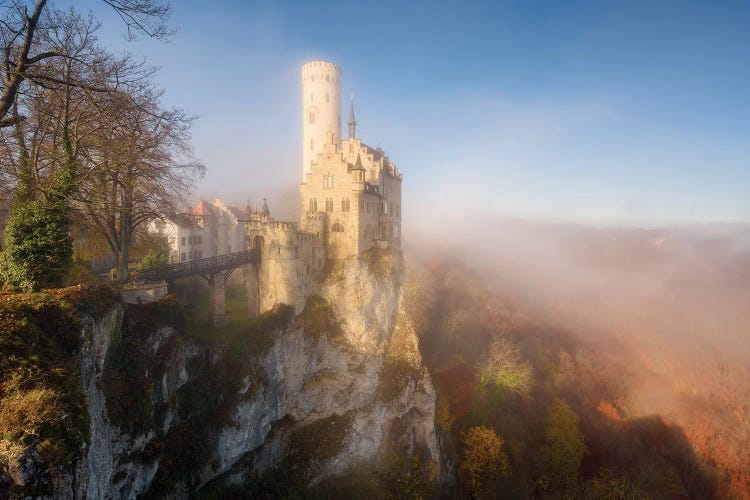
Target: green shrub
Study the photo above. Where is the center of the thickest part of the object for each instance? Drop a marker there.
(564, 448)
(80, 274)
(156, 263)
(38, 247)
(318, 318)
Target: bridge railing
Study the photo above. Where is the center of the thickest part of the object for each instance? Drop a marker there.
(207, 265)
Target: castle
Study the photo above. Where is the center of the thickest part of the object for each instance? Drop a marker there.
(350, 199)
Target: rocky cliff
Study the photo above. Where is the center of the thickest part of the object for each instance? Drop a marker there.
(335, 390)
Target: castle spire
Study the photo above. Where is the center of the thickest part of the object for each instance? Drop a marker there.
(352, 123)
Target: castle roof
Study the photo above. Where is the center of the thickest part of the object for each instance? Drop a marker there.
(202, 209)
(183, 220)
(376, 153)
(357, 165)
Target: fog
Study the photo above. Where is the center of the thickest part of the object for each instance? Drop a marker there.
(667, 310)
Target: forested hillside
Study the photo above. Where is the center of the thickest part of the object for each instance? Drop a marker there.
(543, 393)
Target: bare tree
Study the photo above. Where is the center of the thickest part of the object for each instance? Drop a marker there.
(504, 366)
(93, 139)
(141, 168)
(28, 43)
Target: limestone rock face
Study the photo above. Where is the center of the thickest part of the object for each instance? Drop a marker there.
(339, 387)
(342, 377)
(111, 466)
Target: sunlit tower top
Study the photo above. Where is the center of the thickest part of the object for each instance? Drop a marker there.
(321, 109)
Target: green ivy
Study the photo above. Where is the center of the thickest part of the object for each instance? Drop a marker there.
(38, 247)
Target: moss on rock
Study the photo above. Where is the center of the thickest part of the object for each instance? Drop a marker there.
(42, 407)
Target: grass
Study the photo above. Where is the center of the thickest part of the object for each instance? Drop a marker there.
(42, 405)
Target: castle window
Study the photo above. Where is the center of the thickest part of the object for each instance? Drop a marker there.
(385, 207)
(182, 256)
(337, 228)
(313, 205)
(312, 117)
(183, 242)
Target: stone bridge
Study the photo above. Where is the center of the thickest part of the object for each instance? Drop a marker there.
(215, 270)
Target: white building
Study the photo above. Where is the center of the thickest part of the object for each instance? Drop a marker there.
(210, 229)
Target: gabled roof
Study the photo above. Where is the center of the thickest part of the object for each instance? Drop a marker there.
(183, 220)
(376, 153)
(202, 209)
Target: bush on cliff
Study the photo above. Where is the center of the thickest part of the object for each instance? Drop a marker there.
(38, 247)
(318, 318)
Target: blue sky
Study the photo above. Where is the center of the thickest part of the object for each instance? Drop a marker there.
(594, 112)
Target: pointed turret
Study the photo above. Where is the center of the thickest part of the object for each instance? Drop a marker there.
(265, 212)
(352, 122)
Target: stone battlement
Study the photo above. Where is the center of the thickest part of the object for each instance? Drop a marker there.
(320, 71)
(282, 225)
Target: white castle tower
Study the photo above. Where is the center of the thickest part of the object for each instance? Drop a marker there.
(321, 109)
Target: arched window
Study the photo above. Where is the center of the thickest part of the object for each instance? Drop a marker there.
(348, 207)
(312, 117)
(343, 205)
(313, 205)
(337, 228)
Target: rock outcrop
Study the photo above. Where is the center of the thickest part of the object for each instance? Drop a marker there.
(336, 388)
